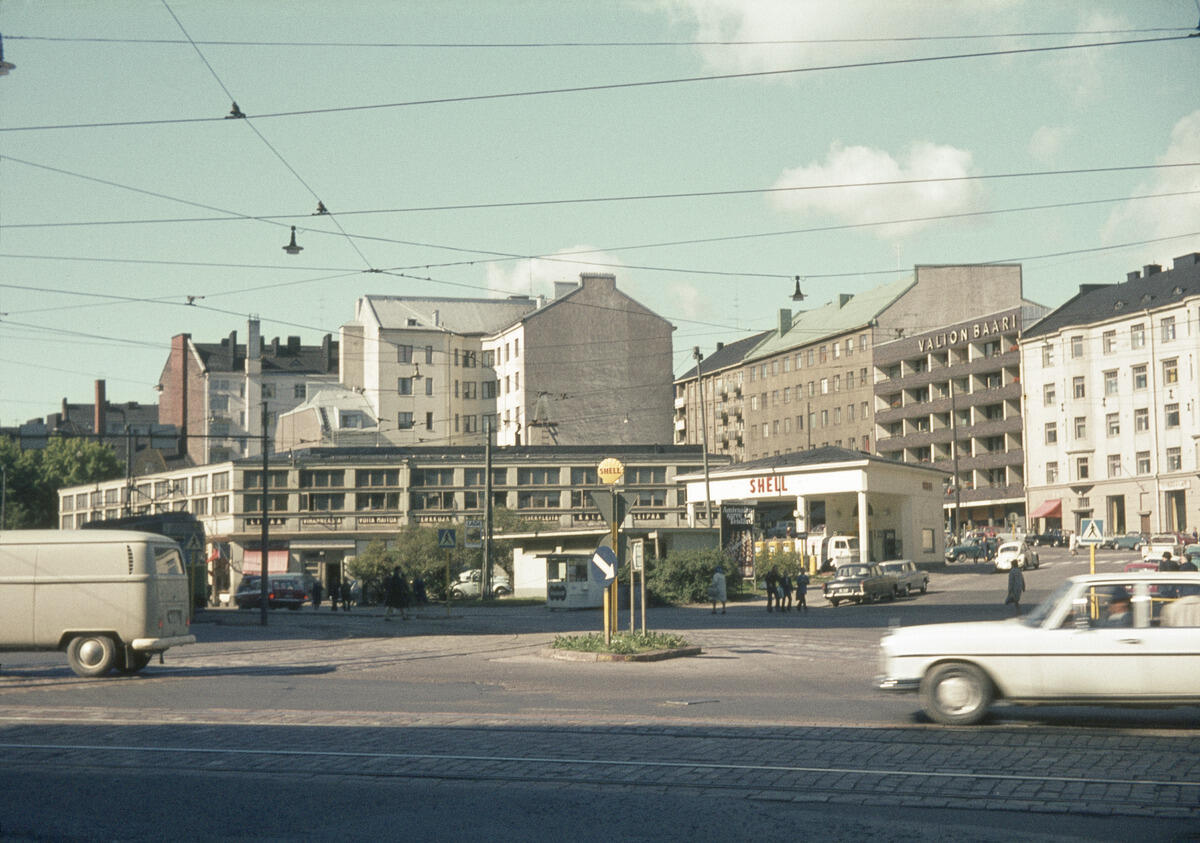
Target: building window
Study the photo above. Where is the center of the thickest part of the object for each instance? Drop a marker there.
(1168, 328)
(1112, 424)
(824, 386)
(1047, 395)
(1081, 427)
(322, 479)
(299, 392)
(470, 424)
(470, 389)
(1051, 472)
(1114, 465)
(488, 389)
(429, 421)
(1081, 468)
(365, 478)
(322, 502)
(404, 421)
(1170, 369)
(1078, 389)
(1051, 433)
(1076, 347)
(1171, 415)
(1174, 459)
(537, 477)
(537, 500)
(404, 354)
(1108, 341)
(824, 418)
(1143, 462)
(200, 485)
(220, 482)
(1047, 356)
(404, 386)
(1137, 336)
(432, 477)
(376, 501)
(1139, 377)
(1141, 420)
(1110, 382)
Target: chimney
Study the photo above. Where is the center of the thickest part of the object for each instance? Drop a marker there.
(1187, 260)
(293, 345)
(1132, 276)
(720, 345)
(232, 350)
(327, 356)
(562, 288)
(1151, 269)
(98, 411)
(253, 340)
(785, 320)
(844, 299)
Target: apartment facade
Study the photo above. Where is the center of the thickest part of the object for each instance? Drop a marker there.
(1111, 392)
(710, 400)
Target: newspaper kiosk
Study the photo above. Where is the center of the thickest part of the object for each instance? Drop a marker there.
(569, 584)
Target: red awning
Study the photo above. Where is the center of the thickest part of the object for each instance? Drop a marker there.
(1051, 508)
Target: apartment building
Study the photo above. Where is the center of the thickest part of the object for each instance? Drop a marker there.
(215, 393)
(1110, 388)
(720, 385)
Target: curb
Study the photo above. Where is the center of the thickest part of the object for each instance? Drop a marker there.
(648, 656)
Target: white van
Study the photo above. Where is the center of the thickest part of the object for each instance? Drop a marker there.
(108, 598)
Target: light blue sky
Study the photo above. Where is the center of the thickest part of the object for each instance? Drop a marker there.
(83, 210)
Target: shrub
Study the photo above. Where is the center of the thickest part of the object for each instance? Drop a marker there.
(622, 642)
(684, 576)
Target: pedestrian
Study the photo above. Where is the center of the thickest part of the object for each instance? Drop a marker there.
(772, 583)
(802, 581)
(334, 591)
(785, 593)
(345, 595)
(1073, 543)
(716, 589)
(1016, 587)
(1168, 563)
(316, 595)
(396, 594)
(418, 590)
(1187, 565)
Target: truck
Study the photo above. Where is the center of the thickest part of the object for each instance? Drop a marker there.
(109, 599)
(834, 551)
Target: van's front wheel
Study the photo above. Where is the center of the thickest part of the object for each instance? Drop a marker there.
(92, 655)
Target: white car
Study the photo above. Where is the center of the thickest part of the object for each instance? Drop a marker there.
(1017, 553)
(1103, 639)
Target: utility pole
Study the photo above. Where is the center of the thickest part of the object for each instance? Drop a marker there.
(954, 453)
(703, 437)
(262, 581)
(485, 579)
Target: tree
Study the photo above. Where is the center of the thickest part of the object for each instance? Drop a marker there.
(33, 477)
(372, 567)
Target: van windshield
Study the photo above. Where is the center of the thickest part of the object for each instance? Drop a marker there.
(167, 559)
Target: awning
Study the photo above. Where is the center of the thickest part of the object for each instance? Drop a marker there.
(277, 562)
(1051, 508)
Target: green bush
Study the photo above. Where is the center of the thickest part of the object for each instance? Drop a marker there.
(622, 642)
(684, 576)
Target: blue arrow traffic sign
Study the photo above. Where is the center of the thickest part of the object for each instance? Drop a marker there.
(604, 565)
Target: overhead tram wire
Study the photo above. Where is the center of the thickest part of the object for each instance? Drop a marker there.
(514, 45)
(246, 119)
(613, 86)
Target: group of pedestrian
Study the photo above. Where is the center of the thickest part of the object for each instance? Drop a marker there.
(780, 587)
(396, 594)
(343, 591)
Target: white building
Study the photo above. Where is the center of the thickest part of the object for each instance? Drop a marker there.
(1110, 394)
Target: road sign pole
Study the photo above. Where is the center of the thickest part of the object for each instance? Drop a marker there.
(1092, 548)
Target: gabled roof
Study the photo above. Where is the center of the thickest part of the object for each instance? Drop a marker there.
(301, 360)
(845, 313)
(725, 356)
(1096, 303)
(458, 316)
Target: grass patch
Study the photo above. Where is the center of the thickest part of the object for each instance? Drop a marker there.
(622, 642)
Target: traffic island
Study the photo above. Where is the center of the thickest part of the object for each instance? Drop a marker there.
(622, 647)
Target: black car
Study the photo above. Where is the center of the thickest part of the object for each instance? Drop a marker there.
(283, 592)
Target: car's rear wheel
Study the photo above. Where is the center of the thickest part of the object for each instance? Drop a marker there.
(835, 603)
(956, 694)
(91, 655)
(962, 557)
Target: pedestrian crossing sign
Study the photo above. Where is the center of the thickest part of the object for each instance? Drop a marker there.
(1091, 531)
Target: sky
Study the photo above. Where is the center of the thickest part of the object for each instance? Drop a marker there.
(706, 152)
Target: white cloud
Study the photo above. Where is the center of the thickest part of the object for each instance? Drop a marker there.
(861, 164)
(1148, 219)
(536, 276)
(1048, 142)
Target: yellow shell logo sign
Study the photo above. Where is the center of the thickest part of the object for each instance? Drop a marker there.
(610, 471)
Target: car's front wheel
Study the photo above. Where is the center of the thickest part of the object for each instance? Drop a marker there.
(962, 557)
(956, 694)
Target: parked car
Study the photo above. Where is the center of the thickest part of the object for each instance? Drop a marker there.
(1050, 538)
(1016, 553)
(861, 583)
(979, 550)
(908, 576)
(468, 584)
(1075, 648)
(1129, 541)
(1141, 565)
(284, 592)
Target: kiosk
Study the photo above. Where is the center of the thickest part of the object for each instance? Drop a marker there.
(569, 584)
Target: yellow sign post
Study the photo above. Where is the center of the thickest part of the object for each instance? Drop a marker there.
(610, 472)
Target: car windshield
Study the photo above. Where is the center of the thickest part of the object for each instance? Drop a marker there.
(1043, 609)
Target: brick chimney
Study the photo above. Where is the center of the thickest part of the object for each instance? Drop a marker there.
(99, 411)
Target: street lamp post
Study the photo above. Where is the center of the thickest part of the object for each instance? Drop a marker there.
(703, 436)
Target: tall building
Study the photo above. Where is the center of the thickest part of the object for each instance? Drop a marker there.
(215, 392)
(589, 366)
(1110, 381)
(722, 410)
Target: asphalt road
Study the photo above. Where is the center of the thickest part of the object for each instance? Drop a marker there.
(454, 724)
